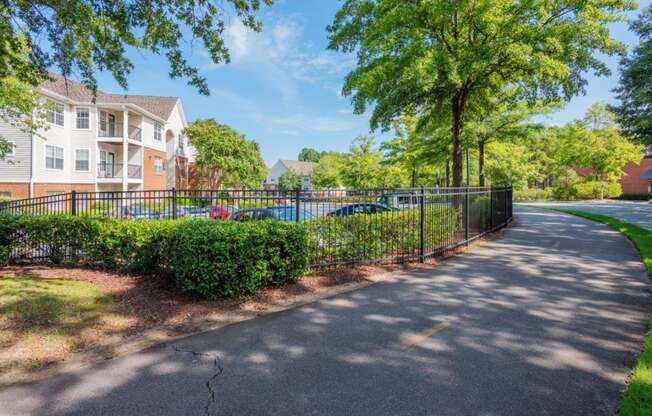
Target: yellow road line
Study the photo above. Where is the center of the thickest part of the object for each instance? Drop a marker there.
(423, 335)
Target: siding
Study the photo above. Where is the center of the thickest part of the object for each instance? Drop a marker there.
(16, 168)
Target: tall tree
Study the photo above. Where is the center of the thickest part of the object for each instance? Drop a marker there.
(327, 172)
(363, 164)
(308, 154)
(405, 149)
(225, 158)
(635, 87)
(598, 116)
(443, 57)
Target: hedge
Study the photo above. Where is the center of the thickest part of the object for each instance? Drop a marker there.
(373, 237)
(207, 257)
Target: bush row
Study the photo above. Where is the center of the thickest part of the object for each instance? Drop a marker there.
(209, 258)
(364, 237)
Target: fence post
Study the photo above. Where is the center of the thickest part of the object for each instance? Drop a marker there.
(422, 226)
(73, 209)
(297, 203)
(491, 208)
(174, 203)
(466, 215)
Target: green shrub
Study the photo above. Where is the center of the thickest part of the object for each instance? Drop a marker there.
(591, 189)
(533, 194)
(133, 246)
(372, 237)
(220, 258)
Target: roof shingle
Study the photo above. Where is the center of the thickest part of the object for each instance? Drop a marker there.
(160, 106)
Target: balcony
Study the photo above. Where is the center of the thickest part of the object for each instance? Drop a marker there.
(114, 171)
(112, 130)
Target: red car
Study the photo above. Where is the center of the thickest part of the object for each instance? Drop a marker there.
(217, 211)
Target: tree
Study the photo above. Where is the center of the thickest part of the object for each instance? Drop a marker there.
(635, 87)
(327, 172)
(225, 158)
(363, 167)
(405, 149)
(604, 151)
(445, 57)
(309, 155)
(89, 35)
(289, 181)
(598, 116)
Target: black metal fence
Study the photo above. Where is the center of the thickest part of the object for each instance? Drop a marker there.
(343, 226)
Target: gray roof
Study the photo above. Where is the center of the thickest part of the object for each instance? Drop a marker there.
(160, 106)
(298, 167)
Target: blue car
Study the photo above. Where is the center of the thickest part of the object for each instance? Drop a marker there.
(279, 213)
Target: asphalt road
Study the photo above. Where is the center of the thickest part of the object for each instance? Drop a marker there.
(547, 319)
(636, 212)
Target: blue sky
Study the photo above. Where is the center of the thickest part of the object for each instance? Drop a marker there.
(282, 87)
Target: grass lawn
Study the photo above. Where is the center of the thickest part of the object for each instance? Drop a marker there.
(637, 399)
(42, 320)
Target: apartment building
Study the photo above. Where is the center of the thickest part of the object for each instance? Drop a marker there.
(110, 142)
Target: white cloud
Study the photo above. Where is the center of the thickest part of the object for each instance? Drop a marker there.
(281, 56)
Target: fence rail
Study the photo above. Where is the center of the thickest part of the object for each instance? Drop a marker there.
(343, 226)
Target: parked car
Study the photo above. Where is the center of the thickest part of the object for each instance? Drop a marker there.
(217, 211)
(359, 208)
(193, 211)
(134, 213)
(400, 200)
(280, 213)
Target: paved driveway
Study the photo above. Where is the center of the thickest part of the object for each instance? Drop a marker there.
(636, 212)
(547, 319)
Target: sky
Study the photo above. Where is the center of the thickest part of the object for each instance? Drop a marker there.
(282, 87)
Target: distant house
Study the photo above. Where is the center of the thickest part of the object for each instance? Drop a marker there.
(303, 169)
(638, 176)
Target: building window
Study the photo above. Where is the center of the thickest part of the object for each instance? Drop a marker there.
(158, 165)
(82, 160)
(53, 157)
(181, 144)
(182, 169)
(55, 114)
(11, 149)
(83, 118)
(158, 131)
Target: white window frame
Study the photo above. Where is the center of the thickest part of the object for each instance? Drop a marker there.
(63, 158)
(88, 160)
(88, 111)
(55, 114)
(158, 131)
(158, 171)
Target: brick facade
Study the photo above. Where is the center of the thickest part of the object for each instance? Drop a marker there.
(632, 182)
(16, 190)
(151, 180)
(42, 189)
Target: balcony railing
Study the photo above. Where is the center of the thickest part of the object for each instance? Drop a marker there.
(108, 171)
(115, 130)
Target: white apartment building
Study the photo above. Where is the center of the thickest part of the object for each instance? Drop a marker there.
(110, 142)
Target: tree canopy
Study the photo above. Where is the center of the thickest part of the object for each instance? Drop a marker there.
(635, 87)
(289, 181)
(308, 154)
(84, 36)
(225, 158)
(441, 58)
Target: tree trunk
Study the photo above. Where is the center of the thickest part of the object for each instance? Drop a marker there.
(448, 174)
(602, 186)
(481, 163)
(414, 178)
(458, 103)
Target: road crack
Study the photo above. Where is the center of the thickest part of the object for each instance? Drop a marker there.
(217, 366)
